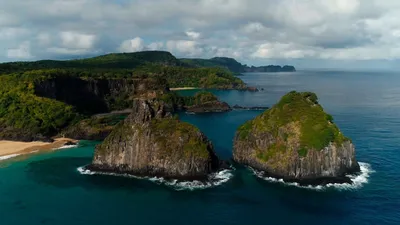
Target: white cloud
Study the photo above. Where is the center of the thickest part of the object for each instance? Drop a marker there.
(249, 30)
(188, 48)
(155, 46)
(193, 34)
(132, 45)
(23, 51)
(70, 39)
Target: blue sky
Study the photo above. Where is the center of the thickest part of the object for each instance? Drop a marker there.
(305, 33)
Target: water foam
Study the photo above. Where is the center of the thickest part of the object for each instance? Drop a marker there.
(66, 147)
(4, 157)
(214, 179)
(359, 180)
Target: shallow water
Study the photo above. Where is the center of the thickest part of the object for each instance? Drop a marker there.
(48, 188)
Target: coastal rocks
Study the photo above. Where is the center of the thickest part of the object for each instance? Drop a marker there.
(212, 106)
(238, 107)
(150, 142)
(297, 141)
(96, 128)
(252, 89)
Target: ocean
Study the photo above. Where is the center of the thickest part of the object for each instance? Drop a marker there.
(48, 188)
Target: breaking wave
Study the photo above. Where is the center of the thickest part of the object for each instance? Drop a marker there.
(4, 157)
(214, 179)
(67, 146)
(359, 180)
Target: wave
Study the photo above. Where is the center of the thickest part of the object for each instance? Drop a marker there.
(359, 180)
(4, 157)
(214, 179)
(66, 147)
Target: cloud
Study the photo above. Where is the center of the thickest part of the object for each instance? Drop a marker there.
(155, 46)
(252, 30)
(193, 34)
(21, 52)
(184, 47)
(132, 45)
(71, 39)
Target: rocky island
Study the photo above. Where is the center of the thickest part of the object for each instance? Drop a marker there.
(152, 142)
(296, 141)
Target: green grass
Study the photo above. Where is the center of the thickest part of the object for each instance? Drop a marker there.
(302, 110)
(245, 129)
(169, 132)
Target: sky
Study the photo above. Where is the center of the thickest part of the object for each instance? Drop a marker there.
(305, 33)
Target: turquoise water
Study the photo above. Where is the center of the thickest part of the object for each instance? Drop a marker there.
(48, 189)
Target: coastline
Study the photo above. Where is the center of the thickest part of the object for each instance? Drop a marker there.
(15, 148)
(183, 88)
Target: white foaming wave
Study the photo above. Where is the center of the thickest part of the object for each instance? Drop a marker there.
(4, 157)
(359, 180)
(214, 179)
(66, 147)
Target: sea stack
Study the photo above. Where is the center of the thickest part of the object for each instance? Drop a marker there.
(296, 141)
(152, 142)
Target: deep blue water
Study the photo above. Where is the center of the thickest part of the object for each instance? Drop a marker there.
(47, 189)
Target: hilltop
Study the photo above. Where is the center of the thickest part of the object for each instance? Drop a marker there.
(234, 66)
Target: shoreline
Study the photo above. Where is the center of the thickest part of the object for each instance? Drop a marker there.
(183, 88)
(16, 148)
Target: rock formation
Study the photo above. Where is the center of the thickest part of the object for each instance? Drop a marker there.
(212, 106)
(238, 107)
(297, 141)
(151, 142)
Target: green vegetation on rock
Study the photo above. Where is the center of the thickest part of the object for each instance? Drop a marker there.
(296, 116)
(20, 108)
(168, 132)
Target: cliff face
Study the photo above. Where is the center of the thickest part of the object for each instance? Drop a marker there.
(297, 141)
(150, 142)
(92, 96)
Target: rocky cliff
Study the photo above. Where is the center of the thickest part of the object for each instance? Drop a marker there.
(96, 95)
(150, 142)
(297, 141)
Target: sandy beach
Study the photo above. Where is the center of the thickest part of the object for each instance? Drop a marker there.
(18, 148)
(183, 88)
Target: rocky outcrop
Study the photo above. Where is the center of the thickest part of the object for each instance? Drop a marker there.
(96, 128)
(207, 107)
(238, 107)
(297, 141)
(96, 95)
(150, 142)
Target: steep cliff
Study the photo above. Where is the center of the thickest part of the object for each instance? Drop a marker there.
(96, 95)
(150, 142)
(297, 141)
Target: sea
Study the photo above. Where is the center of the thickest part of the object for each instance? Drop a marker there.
(51, 188)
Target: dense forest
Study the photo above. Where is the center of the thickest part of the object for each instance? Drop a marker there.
(39, 99)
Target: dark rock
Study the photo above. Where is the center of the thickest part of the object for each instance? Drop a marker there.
(252, 89)
(96, 95)
(150, 142)
(238, 107)
(213, 106)
(297, 141)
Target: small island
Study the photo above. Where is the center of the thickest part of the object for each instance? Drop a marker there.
(296, 141)
(151, 142)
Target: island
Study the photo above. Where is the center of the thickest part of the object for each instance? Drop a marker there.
(295, 140)
(47, 99)
(152, 142)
